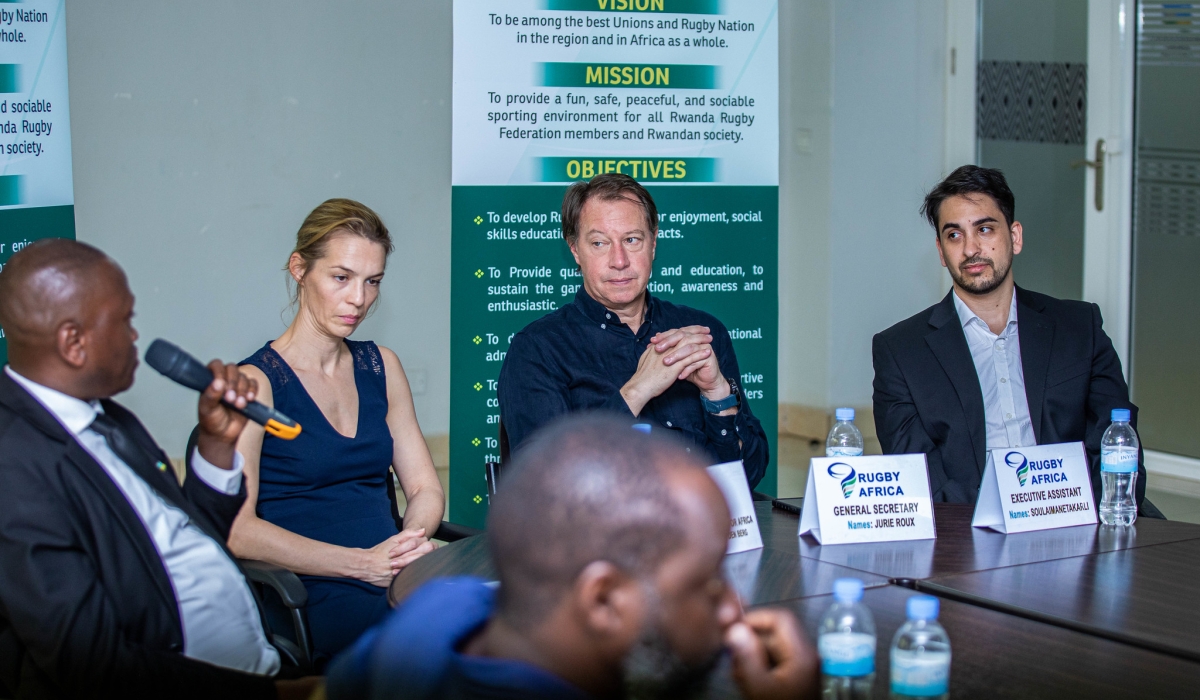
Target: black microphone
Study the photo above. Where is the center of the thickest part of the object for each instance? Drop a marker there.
(175, 364)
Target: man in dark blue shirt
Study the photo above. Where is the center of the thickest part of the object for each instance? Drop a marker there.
(617, 348)
(608, 545)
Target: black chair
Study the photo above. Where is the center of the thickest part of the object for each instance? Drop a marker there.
(493, 471)
(271, 583)
(1149, 510)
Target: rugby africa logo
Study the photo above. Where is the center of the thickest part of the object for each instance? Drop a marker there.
(845, 473)
(1017, 461)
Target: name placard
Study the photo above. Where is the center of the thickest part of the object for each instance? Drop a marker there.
(1035, 488)
(881, 498)
(743, 525)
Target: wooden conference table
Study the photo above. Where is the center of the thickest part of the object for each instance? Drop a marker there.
(1074, 612)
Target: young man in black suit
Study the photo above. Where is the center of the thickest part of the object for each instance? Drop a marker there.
(114, 580)
(992, 365)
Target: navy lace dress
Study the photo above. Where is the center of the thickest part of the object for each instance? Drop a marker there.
(332, 488)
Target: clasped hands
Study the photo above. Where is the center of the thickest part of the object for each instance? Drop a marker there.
(680, 354)
(386, 559)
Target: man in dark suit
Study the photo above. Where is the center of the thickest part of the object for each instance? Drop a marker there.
(992, 365)
(114, 580)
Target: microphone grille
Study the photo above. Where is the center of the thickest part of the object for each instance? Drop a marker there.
(163, 356)
(177, 365)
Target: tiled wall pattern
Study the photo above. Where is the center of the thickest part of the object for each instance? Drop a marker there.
(1027, 101)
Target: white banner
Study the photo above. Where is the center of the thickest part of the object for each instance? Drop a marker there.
(35, 124)
(570, 88)
(1035, 488)
(867, 499)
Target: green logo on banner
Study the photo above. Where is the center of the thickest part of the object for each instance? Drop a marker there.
(561, 169)
(680, 7)
(627, 75)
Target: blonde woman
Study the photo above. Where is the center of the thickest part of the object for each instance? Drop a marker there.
(319, 505)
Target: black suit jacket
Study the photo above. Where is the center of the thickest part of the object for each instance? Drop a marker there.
(928, 399)
(86, 606)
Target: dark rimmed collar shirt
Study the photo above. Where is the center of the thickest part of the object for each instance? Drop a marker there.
(578, 357)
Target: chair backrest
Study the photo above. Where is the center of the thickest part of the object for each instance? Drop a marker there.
(280, 595)
(193, 438)
(503, 443)
(395, 503)
(491, 473)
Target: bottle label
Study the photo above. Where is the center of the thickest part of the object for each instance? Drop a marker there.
(846, 653)
(920, 674)
(1120, 460)
(841, 451)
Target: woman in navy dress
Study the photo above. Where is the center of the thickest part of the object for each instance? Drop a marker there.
(319, 505)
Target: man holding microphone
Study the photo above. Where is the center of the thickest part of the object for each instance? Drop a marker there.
(114, 579)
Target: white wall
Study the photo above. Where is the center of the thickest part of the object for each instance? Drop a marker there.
(805, 125)
(888, 120)
(204, 132)
(862, 139)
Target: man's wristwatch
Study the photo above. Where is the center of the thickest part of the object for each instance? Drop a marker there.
(723, 404)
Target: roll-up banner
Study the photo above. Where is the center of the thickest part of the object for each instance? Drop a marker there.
(36, 196)
(682, 95)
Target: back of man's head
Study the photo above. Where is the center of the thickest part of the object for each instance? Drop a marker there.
(42, 285)
(587, 488)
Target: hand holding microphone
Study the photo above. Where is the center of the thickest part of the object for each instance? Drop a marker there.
(220, 385)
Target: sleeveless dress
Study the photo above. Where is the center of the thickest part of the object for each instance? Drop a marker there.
(328, 487)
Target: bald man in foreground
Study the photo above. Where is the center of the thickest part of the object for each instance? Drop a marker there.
(608, 544)
(114, 580)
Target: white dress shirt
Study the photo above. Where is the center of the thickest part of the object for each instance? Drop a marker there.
(221, 623)
(997, 361)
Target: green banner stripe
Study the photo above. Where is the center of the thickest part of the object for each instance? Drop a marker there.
(559, 169)
(8, 77)
(10, 190)
(677, 7)
(627, 75)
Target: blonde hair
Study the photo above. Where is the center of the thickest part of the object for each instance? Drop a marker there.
(330, 217)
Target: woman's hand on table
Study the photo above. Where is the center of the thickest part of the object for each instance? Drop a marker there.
(412, 545)
(382, 562)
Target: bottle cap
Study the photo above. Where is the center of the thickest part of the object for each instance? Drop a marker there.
(847, 590)
(844, 414)
(1120, 414)
(922, 607)
(641, 427)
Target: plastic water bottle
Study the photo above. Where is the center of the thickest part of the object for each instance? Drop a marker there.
(844, 439)
(1119, 471)
(921, 653)
(846, 644)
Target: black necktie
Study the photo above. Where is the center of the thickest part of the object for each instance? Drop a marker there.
(152, 471)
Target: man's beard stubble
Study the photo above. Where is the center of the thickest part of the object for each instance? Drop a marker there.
(653, 670)
(979, 285)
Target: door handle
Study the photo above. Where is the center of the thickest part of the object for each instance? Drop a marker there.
(1098, 165)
